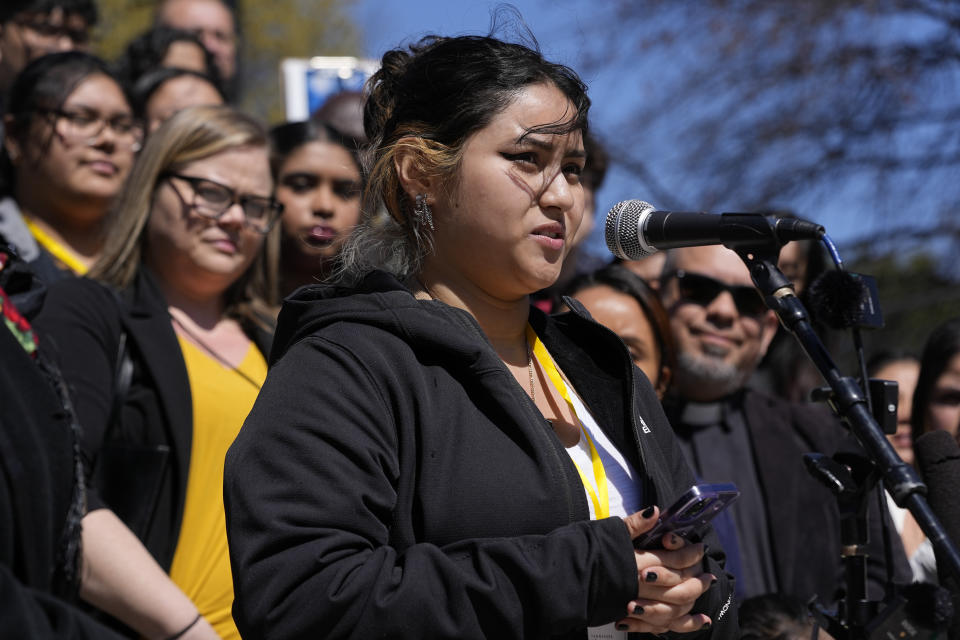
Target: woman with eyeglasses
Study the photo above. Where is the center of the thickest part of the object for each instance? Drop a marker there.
(164, 349)
(69, 145)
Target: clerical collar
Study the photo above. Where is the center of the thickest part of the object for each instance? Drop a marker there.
(702, 414)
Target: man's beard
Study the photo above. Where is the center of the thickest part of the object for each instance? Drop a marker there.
(704, 374)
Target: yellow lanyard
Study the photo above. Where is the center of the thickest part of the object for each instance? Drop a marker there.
(601, 503)
(57, 250)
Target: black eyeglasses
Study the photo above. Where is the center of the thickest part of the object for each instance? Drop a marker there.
(212, 200)
(702, 290)
(87, 126)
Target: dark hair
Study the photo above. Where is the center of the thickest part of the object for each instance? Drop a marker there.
(344, 112)
(621, 279)
(86, 9)
(775, 616)
(44, 85)
(146, 52)
(429, 99)
(150, 83)
(288, 137)
(597, 161)
(882, 358)
(942, 345)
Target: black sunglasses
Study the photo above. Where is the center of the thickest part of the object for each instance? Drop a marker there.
(702, 290)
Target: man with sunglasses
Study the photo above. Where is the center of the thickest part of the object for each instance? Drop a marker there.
(33, 28)
(787, 524)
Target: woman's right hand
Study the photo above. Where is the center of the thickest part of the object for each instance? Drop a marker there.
(669, 582)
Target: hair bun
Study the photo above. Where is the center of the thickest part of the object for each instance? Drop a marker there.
(383, 88)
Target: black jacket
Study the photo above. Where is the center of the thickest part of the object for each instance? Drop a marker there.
(140, 461)
(37, 484)
(802, 515)
(393, 480)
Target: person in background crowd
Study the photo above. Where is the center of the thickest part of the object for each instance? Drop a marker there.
(936, 402)
(787, 524)
(319, 181)
(904, 369)
(165, 352)
(344, 112)
(625, 304)
(41, 476)
(163, 92)
(166, 47)
(33, 28)
(70, 142)
(409, 469)
(214, 22)
(778, 617)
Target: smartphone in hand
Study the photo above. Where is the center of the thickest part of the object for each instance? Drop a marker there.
(690, 516)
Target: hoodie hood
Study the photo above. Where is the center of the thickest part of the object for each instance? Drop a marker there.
(381, 301)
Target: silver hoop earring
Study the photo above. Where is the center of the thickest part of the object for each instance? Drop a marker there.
(422, 212)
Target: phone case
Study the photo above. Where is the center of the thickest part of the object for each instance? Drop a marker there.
(690, 516)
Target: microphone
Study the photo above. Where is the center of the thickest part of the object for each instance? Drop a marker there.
(938, 458)
(634, 229)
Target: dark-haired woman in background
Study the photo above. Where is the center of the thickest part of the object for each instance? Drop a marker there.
(904, 369)
(166, 47)
(164, 363)
(430, 457)
(936, 402)
(623, 302)
(162, 92)
(318, 182)
(70, 141)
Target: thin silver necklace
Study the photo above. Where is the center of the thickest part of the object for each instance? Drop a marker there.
(216, 356)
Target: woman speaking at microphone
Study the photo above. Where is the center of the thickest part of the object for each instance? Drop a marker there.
(430, 457)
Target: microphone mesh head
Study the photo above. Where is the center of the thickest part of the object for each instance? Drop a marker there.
(622, 231)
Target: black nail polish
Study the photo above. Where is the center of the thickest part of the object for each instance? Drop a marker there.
(648, 512)
(622, 627)
(651, 576)
(638, 610)
(706, 625)
(713, 580)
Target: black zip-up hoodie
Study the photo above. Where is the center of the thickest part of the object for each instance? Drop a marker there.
(394, 481)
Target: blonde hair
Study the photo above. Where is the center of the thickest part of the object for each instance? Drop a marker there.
(191, 134)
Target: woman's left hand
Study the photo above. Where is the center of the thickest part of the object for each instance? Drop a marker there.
(670, 581)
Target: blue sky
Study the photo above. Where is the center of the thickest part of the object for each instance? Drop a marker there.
(561, 27)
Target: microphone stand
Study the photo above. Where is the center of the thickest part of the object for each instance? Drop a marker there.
(850, 486)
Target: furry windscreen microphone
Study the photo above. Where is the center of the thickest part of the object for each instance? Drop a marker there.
(938, 458)
(843, 300)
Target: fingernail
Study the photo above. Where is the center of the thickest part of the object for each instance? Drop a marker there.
(638, 610)
(706, 625)
(651, 576)
(648, 512)
(674, 539)
(622, 627)
(713, 579)
(706, 549)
